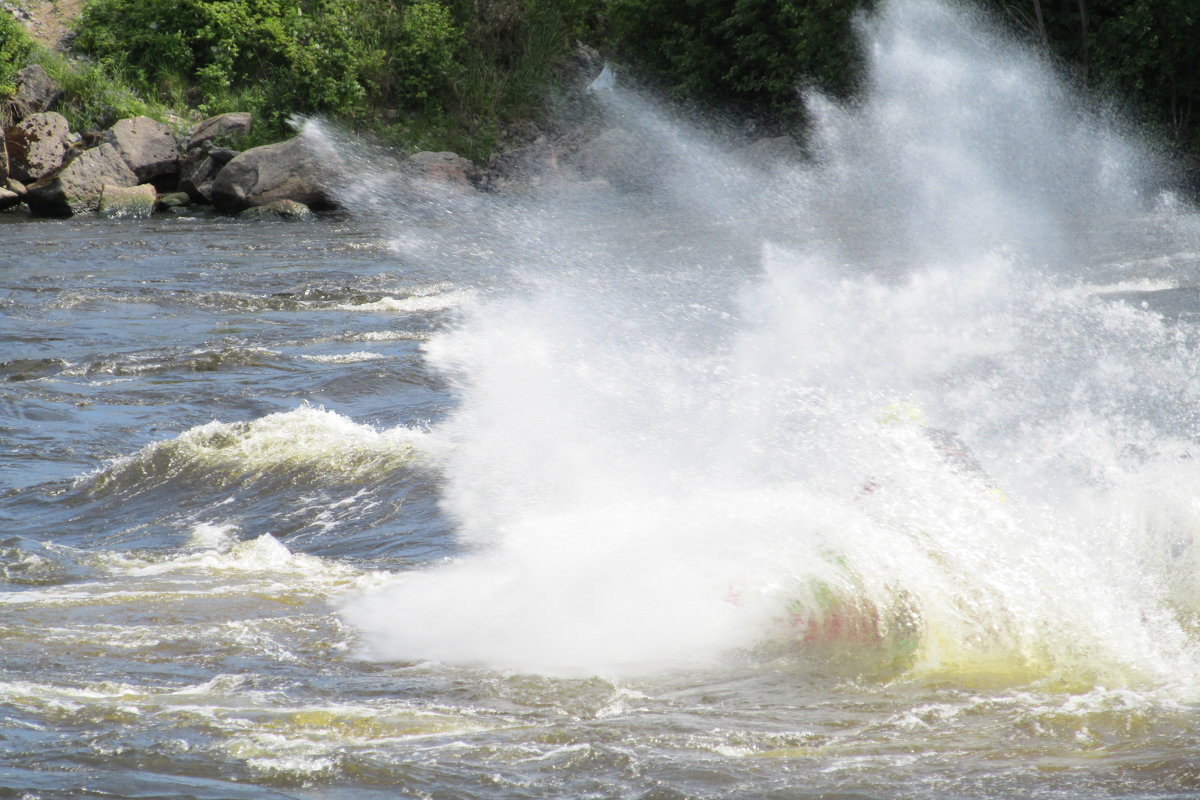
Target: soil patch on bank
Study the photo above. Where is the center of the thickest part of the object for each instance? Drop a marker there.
(48, 21)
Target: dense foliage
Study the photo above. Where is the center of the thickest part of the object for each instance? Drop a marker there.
(15, 47)
(747, 56)
(1143, 52)
(421, 65)
(460, 74)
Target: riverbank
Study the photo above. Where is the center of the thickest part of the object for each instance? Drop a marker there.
(139, 165)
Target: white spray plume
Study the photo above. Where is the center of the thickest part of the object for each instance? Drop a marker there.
(674, 435)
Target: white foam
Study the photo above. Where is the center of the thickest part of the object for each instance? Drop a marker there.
(643, 485)
(414, 303)
(345, 358)
(307, 440)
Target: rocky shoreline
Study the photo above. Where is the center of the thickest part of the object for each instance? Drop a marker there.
(140, 166)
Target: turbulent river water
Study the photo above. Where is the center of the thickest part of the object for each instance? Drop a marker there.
(867, 474)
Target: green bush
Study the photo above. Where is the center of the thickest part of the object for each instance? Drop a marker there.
(15, 46)
(93, 98)
(423, 50)
(274, 55)
(279, 57)
(418, 72)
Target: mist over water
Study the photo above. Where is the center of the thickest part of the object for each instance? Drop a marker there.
(711, 406)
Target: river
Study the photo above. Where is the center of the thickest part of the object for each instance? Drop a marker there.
(864, 475)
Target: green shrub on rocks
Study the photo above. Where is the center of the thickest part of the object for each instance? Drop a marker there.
(275, 57)
(424, 73)
(93, 97)
(15, 47)
(278, 57)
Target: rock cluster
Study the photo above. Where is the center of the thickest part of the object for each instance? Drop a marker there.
(139, 166)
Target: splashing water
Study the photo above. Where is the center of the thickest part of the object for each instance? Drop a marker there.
(899, 400)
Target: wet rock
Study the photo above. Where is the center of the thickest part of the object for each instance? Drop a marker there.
(441, 168)
(172, 200)
(127, 201)
(149, 148)
(289, 210)
(9, 198)
(76, 188)
(622, 159)
(37, 145)
(221, 129)
(198, 170)
(537, 164)
(584, 66)
(290, 170)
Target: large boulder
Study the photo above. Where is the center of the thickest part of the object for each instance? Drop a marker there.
(149, 148)
(223, 129)
(127, 201)
(37, 145)
(290, 170)
(198, 170)
(77, 187)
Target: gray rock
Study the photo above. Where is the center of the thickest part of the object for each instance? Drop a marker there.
(127, 201)
(221, 155)
(288, 210)
(626, 161)
(199, 169)
(76, 188)
(584, 67)
(37, 145)
(149, 148)
(538, 164)
(442, 167)
(290, 170)
(172, 200)
(221, 129)
(36, 92)
(9, 198)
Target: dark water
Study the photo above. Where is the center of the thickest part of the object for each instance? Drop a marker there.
(586, 494)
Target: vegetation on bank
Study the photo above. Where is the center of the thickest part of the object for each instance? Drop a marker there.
(424, 73)
(93, 97)
(463, 74)
(748, 56)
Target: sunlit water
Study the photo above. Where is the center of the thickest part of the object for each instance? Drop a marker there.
(867, 476)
